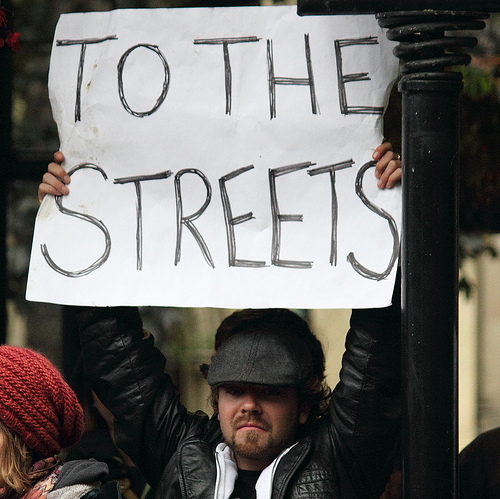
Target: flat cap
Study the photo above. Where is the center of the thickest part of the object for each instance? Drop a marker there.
(261, 357)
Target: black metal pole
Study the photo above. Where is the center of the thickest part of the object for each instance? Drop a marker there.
(429, 258)
(5, 162)
(430, 295)
(430, 219)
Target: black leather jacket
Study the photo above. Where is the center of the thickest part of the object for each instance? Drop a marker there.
(346, 454)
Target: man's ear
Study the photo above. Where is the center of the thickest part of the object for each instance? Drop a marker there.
(304, 410)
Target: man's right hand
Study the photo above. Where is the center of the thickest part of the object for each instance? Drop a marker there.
(55, 179)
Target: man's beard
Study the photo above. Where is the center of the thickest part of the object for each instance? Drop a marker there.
(256, 445)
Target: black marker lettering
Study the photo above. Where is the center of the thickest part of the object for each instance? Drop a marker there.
(188, 221)
(343, 79)
(65, 211)
(279, 217)
(232, 221)
(166, 80)
(331, 169)
(275, 80)
(370, 274)
(137, 182)
(225, 42)
(79, 79)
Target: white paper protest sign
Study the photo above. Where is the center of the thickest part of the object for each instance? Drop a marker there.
(219, 157)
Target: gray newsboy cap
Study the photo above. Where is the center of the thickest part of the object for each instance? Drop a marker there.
(263, 358)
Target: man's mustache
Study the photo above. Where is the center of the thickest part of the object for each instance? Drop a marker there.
(252, 420)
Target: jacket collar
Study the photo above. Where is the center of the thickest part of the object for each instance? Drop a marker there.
(198, 468)
(289, 465)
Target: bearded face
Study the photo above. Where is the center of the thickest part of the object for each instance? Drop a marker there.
(259, 421)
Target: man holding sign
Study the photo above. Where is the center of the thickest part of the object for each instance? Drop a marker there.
(277, 431)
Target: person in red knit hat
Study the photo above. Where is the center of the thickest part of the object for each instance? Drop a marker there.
(39, 416)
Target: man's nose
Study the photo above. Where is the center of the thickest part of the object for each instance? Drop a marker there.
(251, 404)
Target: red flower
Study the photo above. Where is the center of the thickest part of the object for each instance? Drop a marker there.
(8, 37)
(12, 40)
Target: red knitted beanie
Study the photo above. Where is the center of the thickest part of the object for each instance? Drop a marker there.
(36, 402)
